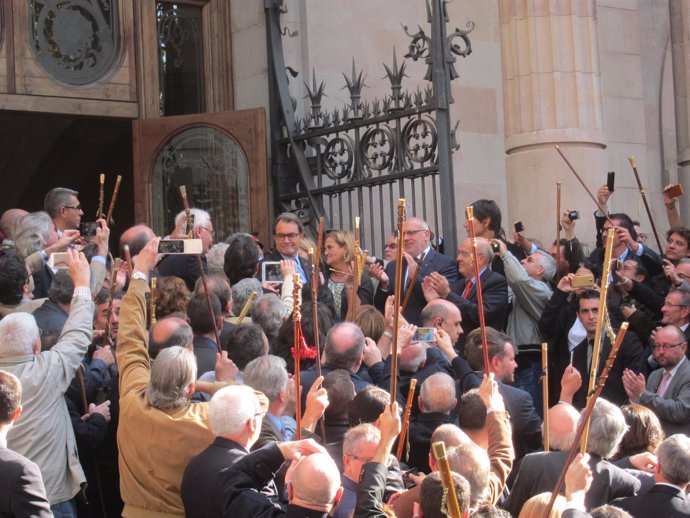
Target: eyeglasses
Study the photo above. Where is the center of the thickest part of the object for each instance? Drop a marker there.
(283, 237)
(413, 232)
(212, 232)
(676, 305)
(74, 207)
(666, 347)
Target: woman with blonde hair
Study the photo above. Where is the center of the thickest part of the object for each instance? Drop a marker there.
(535, 506)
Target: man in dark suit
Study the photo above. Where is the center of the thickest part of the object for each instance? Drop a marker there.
(464, 293)
(667, 391)
(205, 347)
(21, 486)
(186, 266)
(667, 498)
(235, 415)
(630, 356)
(419, 255)
(539, 472)
(525, 421)
(288, 233)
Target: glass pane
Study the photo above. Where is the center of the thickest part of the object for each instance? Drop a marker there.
(214, 169)
(180, 59)
(75, 42)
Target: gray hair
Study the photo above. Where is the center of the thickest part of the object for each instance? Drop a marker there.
(18, 333)
(362, 433)
(269, 313)
(215, 258)
(56, 199)
(62, 288)
(267, 374)
(201, 218)
(438, 393)
(171, 374)
(607, 427)
(289, 217)
(674, 459)
(31, 232)
(548, 263)
(181, 337)
(230, 408)
(484, 248)
(472, 462)
(346, 354)
(241, 292)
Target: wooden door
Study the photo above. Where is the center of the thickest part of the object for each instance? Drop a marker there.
(219, 157)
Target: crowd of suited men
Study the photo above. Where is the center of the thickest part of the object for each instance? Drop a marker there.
(119, 400)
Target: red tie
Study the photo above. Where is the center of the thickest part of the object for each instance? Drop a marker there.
(468, 288)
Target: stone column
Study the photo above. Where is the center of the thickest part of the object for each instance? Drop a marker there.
(552, 96)
(679, 11)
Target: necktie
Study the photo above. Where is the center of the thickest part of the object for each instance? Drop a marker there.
(468, 288)
(665, 380)
(590, 349)
(299, 270)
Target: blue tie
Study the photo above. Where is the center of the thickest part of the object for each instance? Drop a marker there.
(299, 269)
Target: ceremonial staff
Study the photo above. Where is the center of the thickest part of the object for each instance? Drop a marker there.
(315, 323)
(101, 195)
(478, 286)
(358, 258)
(128, 261)
(601, 317)
(319, 250)
(108, 334)
(296, 344)
(450, 496)
(187, 210)
(584, 420)
(558, 229)
(545, 390)
(633, 164)
(396, 304)
(245, 309)
(152, 302)
(596, 202)
(111, 208)
(406, 418)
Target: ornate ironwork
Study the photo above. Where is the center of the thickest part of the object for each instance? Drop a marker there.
(75, 41)
(357, 160)
(175, 29)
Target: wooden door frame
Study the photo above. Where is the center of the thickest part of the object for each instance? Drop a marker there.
(246, 127)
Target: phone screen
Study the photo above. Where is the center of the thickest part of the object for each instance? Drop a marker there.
(171, 246)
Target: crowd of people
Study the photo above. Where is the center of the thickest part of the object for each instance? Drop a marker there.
(196, 396)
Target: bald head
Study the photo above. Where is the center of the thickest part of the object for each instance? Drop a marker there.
(443, 314)
(7, 221)
(344, 347)
(563, 420)
(437, 394)
(136, 238)
(169, 332)
(315, 482)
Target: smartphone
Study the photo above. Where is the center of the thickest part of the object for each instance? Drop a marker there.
(270, 272)
(88, 228)
(519, 227)
(611, 180)
(424, 334)
(58, 261)
(495, 247)
(586, 280)
(573, 215)
(180, 246)
(674, 190)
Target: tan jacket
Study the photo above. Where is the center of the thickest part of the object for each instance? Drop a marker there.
(155, 445)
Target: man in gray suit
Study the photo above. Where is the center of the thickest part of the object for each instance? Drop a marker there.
(667, 391)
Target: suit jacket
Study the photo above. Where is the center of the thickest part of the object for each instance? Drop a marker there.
(50, 319)
(630, 356)
(205, 351)
(539, 473)
(202, 494)
(21, 487)
(673, 410)
(186, 267)
(661, 500)
(495, 298)
(420, 438)
(433, 262)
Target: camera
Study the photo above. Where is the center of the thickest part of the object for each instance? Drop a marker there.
(573, 215)
(519, 227)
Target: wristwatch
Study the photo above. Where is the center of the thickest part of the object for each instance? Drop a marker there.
(140, 275)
